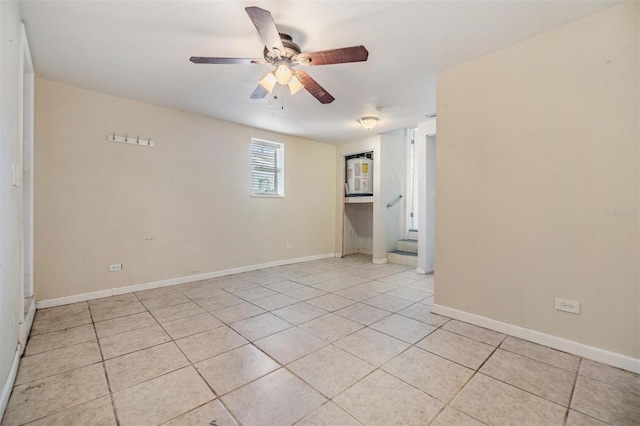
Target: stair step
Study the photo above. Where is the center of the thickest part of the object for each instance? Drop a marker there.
(408, 245)
(403, 258)
(413, 234)
(404, 253)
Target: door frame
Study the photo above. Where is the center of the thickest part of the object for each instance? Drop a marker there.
(412, 206)
(26, 113)
(426, 153)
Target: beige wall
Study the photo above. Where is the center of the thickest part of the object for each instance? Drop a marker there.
(178, 209)
(536, 144)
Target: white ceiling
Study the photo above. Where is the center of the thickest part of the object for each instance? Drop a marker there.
(140, 50)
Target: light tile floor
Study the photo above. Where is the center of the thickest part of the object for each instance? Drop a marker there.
(329, 342)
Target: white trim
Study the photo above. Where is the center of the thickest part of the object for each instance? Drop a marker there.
(25, 326)
(66, 300)
(591, 352)
(421, 271)
(380, 261)
(358, 251)
(48, 303)
(337, 255)
(26, 49)
(11, 378)
(26, 160)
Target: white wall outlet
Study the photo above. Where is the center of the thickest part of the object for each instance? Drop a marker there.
(115, 267)
(288, 245)
(565, 305)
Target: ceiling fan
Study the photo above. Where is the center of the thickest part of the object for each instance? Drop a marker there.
(281, 52)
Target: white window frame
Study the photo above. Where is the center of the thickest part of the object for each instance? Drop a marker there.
(277, 189)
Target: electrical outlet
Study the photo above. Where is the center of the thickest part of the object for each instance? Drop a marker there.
(288, 245)
(115, 267)
(570, 306)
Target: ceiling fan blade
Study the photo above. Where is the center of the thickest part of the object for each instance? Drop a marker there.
(334, 56)
(242, 61)
(314, 88)
(263, 21)
(259, 93)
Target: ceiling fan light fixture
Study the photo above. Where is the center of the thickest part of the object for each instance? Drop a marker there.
(368, 122)
(295, 86)
(268, 82)
(283, 73)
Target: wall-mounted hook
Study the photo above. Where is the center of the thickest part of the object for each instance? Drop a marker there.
(125, 139)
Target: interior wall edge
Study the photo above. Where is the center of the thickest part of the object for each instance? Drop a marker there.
(83, 297)
(25, 326)
(7, 387)
(580, 349)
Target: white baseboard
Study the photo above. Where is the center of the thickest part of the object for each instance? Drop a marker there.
(380, 261)
(23, 330)
(421, 271)
(591, 352)
(357, 251)
(83, 297)
(11, 378)
(25, 327)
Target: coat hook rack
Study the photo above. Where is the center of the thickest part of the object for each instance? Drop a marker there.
(112, 137)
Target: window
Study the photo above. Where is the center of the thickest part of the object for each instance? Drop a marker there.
(267, 168)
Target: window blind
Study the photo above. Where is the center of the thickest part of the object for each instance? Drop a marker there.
(266, 168)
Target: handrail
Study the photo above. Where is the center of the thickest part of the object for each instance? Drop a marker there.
(393, 203)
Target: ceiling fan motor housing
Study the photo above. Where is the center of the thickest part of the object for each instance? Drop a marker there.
(292, 50)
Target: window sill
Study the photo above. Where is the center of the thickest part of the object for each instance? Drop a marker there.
(266, 196)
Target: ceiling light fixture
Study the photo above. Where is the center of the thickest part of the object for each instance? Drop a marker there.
(284, 76)
(295, 86)
(268, 82)
(368, 122)
(283, 73)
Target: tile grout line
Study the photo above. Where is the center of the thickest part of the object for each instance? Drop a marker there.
(544, 362)
(528, 391)
(64, 372)
(370, 373)
(104, 368)
(147, 310)
(191, 364)
(215, 394)
(473, 374)
(573, 390)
